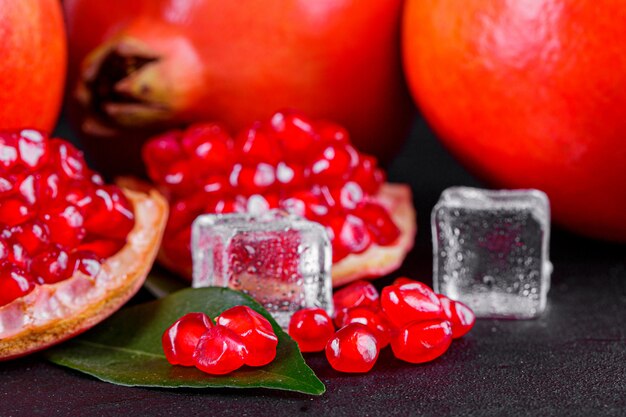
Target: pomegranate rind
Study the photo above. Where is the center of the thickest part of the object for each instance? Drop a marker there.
(377, 260)
(52, 313)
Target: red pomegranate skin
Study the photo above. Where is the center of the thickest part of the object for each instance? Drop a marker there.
(32, 74)
(529, 93)
(237, 62)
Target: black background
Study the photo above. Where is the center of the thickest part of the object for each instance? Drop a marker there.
(571, 361)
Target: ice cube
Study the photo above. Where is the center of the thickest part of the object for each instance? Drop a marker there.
(490, 250)
(281, 260)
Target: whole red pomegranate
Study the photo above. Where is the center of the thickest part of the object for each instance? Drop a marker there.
(33, 54)
(138, 67)
(529, 93)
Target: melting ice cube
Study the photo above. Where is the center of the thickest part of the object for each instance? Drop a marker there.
(490, 250)
(281, 260)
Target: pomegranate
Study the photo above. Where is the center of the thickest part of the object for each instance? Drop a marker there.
(137, 67)
(529, 94)
(72, 249)
(32, 74)
(291, 162)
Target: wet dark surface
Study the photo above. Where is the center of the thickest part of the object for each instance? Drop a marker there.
(571, 361)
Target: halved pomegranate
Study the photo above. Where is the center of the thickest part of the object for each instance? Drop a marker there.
(72, 249)
(305, 167)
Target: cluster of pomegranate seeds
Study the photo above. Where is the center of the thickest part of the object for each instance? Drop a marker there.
(417, 323)
(290, 162)
(240, 336)
(56, 216)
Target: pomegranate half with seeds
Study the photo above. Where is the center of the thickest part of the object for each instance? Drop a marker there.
(72, 249)
(290, 162)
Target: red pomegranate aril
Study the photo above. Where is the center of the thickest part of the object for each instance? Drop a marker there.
(4, 250)
(209, 148)
(181, 338)
(86, 262)
(110, 214)
(349, 196)
(52, 266)
(14, 283)
(294, 132)
(374, 320)
(33, 148)
(378, 222)
(460, 316)
(311, 328)
(103, 248)
(14, 211)
(68, 159)
(290, 175)
(367, 175)
(350, 233)
(331, 165)
(179, 177)
(404, 280)
(17, 255)
(65, 224)
(252, 180)
(253, 145)
(357, 294)
(410, 302)
(220, 351)
(9, 155)
(331, 132)
(255, 331)
(7, 184)
(161, 152)
(46, 187)
(420, 342)
(33, 236)
(353, 349)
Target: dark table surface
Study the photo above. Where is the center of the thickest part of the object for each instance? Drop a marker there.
(571, 361)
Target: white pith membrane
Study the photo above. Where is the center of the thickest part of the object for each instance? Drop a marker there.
(54, 312)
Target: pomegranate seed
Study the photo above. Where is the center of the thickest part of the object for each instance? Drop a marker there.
(18, 255)
(14, 283)
(52, 266)
(348, 196)
(9, 156)
(161, 152)
(331, 165)
(460, 316)
(209, 147)
(4, 250)
(350, 233)
(410, 302)
(14, 211)
(7, 184)
(103, 248)
(290, 175)
(357, 294)
(403, 280)
(252, 180)
(367, 175)
(68, 160)
(311, 328)
(374, 320)
(87, 262)
(378, 222)
(255, 331)
(353, 349)
(180, 178)
(220, 351)
(110, 214)
(33, 148)
(331, 132)
(419, 342)
(181, 338)
(65, 224)
(253, 146)
(294, 132)
(33, 236)
(46, 187)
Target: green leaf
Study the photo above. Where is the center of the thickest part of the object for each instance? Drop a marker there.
(126, 348)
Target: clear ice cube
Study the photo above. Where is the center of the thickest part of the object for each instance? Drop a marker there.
(281, 260)
(490, 250)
